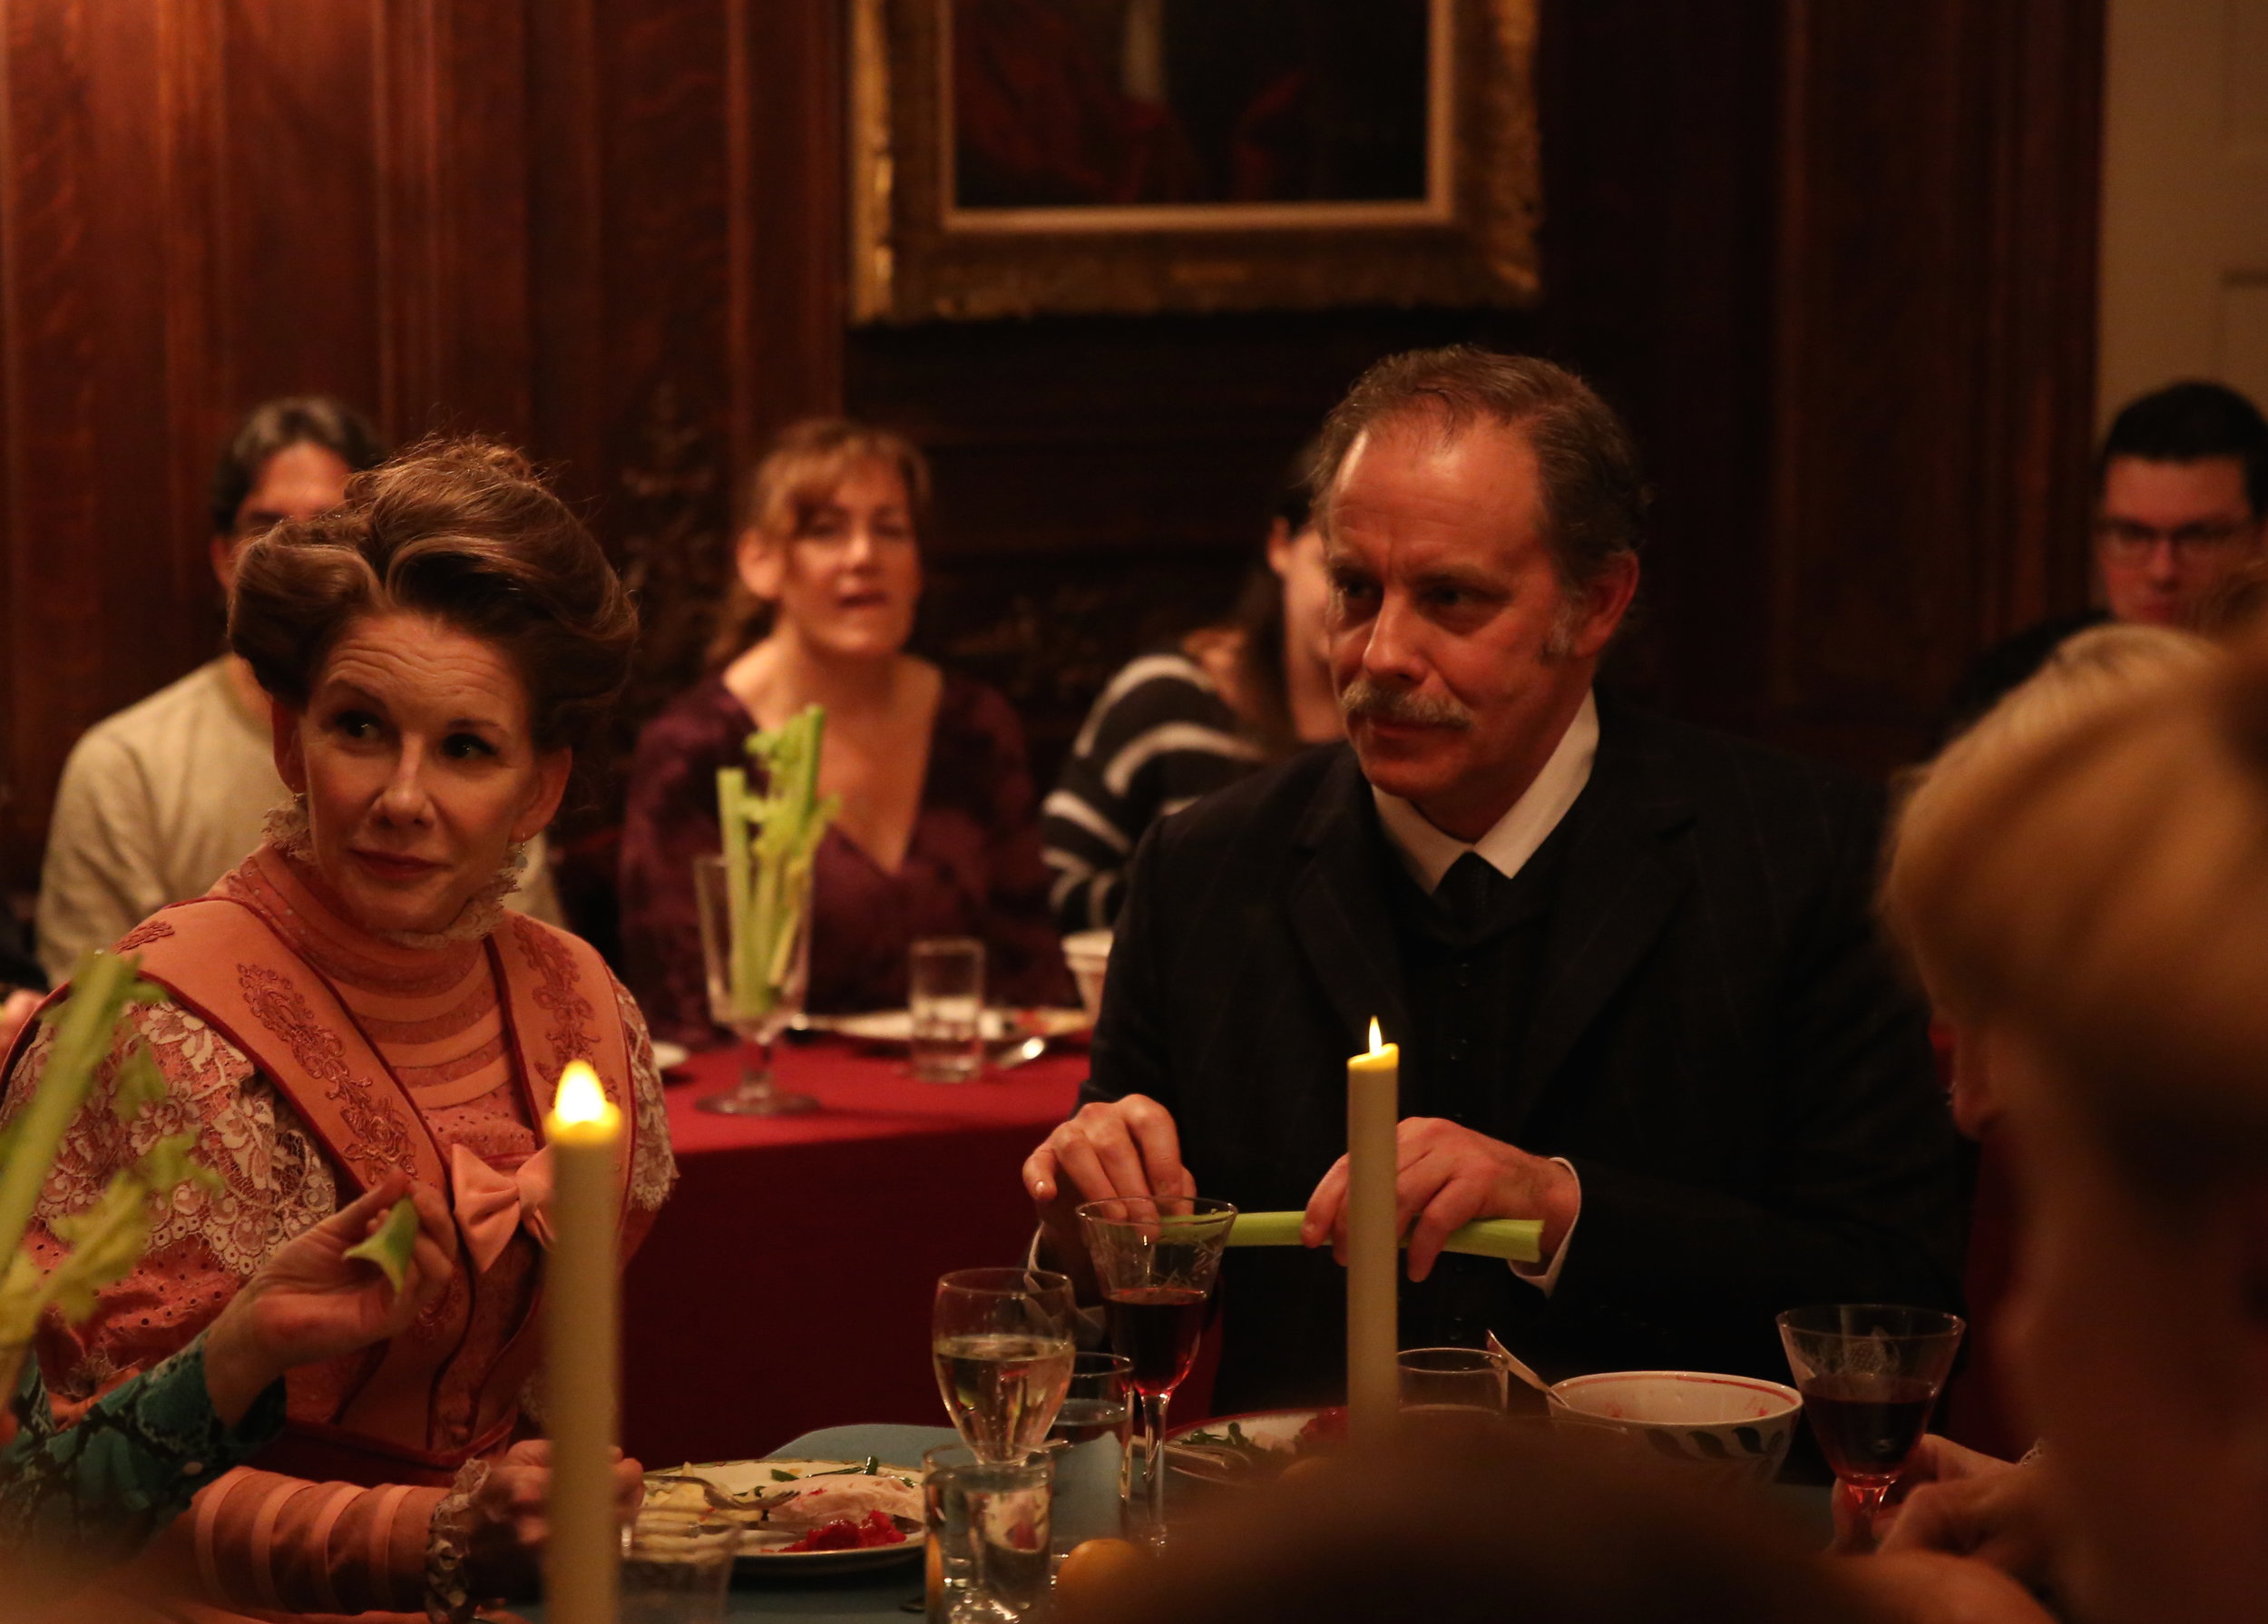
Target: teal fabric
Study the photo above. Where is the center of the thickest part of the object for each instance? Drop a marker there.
(93, 1494)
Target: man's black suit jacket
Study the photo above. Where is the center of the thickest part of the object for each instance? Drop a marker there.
(1719, 1047)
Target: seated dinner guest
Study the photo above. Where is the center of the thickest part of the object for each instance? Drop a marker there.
(2181, 506)
(352, 1002)
(1632, 966)
(161, 800)
(936, 835)
(2093, 906)
(1180, 723)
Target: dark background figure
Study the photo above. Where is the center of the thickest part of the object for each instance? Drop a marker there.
(1180, 722)
(2181, 501)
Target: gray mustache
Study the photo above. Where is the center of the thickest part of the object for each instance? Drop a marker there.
(1364, 698)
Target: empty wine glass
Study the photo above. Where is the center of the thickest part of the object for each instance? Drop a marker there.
(1870, 1373)
(1002, 1341)
(756, 1003)
(1158, 1258)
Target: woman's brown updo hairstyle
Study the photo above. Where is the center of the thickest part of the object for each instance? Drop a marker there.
(463, 532)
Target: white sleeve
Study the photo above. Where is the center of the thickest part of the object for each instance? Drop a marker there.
(101, 877)
(1547, 1278)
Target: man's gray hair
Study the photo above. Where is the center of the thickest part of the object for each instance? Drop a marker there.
(1594, 495)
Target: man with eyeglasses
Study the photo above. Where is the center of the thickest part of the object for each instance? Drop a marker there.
(2180, 499)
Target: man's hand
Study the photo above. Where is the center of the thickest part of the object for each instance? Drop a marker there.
(310, 1301)
(1125, 1147)
(1446, 1177)
(1971, 1504)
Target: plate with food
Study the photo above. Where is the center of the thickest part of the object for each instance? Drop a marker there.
(1253, 1449)
(894, 1027)
(800, 1516)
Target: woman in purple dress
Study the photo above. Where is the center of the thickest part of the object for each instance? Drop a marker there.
(937, 835)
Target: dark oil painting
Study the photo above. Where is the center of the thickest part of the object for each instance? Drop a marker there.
(1075, 104)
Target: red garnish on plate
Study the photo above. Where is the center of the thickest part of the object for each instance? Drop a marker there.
(851, 1534)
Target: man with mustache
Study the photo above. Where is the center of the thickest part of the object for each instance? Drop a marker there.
(1631, 964)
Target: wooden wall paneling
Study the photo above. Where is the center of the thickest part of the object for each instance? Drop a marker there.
(95, 572)
(788, 212)
(1658, 134)
(302, 271)
(1933, 326)
(451, 140)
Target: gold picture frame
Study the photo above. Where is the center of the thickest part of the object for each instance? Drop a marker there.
(921, 251)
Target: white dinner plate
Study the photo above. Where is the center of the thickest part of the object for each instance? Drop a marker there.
(1270, 1438)
(896, 1026)
(667, 1055)
(738, 1477)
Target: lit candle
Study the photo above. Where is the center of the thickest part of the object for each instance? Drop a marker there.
(1373, 1400)
(584, 1546)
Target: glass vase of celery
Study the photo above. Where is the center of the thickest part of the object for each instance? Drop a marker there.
(754, 904)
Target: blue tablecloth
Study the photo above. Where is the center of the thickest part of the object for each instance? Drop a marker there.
(878, 1593)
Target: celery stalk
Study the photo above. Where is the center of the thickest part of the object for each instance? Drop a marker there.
(389, 1246)
(108, 1238)
(1519, 1240)
(771, 837)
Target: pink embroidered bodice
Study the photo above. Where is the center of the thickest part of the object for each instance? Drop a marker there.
(438, 1019)
(435, 1016)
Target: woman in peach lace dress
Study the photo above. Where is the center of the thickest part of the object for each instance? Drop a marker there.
(354, 1001)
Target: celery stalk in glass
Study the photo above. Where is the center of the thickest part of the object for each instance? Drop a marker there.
(755, 901)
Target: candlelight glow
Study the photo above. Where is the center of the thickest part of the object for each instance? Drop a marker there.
(580, 1098)
(1376, 1047)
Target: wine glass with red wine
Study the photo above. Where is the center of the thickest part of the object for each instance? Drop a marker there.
(1156, 1259)
(1869, 1374)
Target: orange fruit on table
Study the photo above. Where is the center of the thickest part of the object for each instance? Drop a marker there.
(1093, 1571)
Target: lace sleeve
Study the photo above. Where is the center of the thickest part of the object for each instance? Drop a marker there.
(89, 1496)
(655, 1169)
(274, 1184)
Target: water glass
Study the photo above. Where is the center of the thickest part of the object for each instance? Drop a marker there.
(1451, 1390)
(676, 1571)
(990, 1557)
(1089, 1437)
(946, 978)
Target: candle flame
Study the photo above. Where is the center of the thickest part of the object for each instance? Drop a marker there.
(1376, 1047)
(580, 1098)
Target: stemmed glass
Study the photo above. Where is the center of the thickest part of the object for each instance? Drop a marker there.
(1158, 1258)
(1870, 1373)
(758, 1012)
(1002, 1341)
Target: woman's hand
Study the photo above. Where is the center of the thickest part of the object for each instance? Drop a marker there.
(508, 1519)
(310, 1301)
(1965, 1504)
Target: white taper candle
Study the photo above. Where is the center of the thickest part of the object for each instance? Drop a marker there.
(582, 1554)
(1372, 1248)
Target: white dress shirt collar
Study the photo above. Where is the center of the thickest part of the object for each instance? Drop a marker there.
(1427, 853)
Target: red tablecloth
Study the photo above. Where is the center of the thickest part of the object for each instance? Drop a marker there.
(787, 1285)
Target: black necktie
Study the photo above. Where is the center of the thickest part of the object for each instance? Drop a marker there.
(1470, 893)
